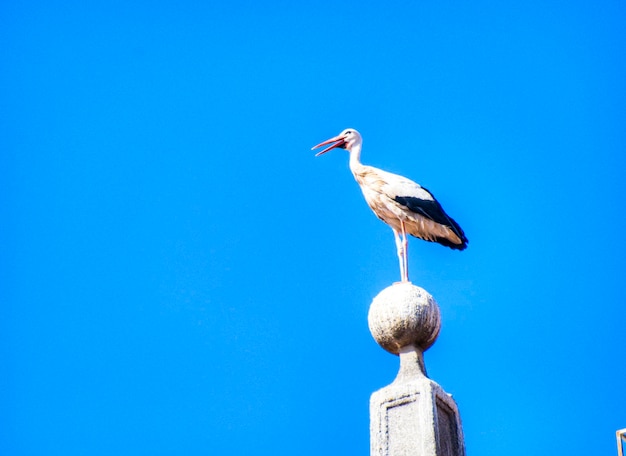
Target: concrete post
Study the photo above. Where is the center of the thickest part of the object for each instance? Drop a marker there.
(413, 416)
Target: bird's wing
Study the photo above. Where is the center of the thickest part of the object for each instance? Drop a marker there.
(419, 200)
(431, 209)
(396, 185)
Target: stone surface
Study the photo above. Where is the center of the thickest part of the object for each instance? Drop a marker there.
(404, 314)
(413, 416)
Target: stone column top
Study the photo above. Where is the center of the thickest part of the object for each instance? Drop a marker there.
(404, 315)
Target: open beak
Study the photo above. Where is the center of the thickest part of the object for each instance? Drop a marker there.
(337, 140)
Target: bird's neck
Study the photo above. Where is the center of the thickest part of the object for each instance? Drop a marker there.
(355, 159)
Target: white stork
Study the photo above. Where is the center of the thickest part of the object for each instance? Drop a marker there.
(401, 203)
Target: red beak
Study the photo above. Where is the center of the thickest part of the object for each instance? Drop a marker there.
(337, 140)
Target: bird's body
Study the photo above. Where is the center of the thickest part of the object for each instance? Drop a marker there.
(404, 205)
(395, 199)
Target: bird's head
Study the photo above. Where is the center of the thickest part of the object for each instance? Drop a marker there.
(347, 139)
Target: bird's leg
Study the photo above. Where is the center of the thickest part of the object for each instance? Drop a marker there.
(405, 253)
(400, 249)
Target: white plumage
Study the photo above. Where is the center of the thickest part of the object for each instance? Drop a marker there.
(404, 205)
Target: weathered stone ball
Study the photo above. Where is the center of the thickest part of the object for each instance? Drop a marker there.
(404, 314)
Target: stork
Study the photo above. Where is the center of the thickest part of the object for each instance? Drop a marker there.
(407, 207)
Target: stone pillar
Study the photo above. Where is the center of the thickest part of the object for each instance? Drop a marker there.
(413, 416)
(621, 440)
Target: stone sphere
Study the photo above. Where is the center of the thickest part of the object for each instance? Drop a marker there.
(404, 314)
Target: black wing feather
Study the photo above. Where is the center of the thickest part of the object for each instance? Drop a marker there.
(432, 210)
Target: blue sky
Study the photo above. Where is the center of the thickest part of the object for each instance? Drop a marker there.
(180, 275)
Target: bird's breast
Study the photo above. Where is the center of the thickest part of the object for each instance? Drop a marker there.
(383, 206)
